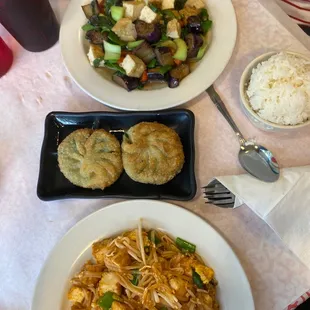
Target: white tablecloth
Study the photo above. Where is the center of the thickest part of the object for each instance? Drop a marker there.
(29, 228)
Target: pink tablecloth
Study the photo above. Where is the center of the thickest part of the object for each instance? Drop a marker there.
(29, 228)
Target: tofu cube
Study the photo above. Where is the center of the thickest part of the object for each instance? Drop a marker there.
(147, 15)
(125, 30)
(109, 283)
(133, 66)
(77, 294)
(133, 9)
(167, 4)
(197, 4)
(95, 51)
(173, 29)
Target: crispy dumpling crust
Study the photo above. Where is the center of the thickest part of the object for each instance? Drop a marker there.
(152, 153)
(90, 158)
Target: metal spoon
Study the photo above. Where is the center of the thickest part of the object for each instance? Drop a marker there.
(255, 159)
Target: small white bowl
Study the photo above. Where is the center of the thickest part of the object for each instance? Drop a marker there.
(247, 109)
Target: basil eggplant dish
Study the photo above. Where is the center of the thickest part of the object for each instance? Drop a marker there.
(144, 44)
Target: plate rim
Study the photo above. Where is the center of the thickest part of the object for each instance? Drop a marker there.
(137, 107)
(191, 174)
(75, 227)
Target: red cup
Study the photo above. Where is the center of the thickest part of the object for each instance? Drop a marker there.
(6, 58)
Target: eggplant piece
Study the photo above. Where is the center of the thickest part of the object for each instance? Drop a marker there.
(95, 7)
(88, 10)
(149, 32)
(96, 37)
(163, 56)
(177, 74)
(193, 42)
(127, 82)
(194, 24)
(155, 74)
(145, 52)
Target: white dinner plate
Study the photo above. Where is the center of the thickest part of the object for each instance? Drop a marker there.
(74, 49)
(74, 249)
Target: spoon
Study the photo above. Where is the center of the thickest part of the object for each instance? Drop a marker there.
(255, 159)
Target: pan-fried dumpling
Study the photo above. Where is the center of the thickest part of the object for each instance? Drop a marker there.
(90, 158)
(152, 153)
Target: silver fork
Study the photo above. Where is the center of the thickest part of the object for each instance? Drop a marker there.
(217, 194)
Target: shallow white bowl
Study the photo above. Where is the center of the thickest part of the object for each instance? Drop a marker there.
(74, 49)
(249, 112)
(74, 249)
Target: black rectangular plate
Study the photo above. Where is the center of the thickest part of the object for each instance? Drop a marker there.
(53, 185)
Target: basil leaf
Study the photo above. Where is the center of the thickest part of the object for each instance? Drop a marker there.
(88, 27)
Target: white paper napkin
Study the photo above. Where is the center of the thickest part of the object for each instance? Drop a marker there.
(284, 205)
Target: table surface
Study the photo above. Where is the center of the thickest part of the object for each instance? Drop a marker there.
(29, 228)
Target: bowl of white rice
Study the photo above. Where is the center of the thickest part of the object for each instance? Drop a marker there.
(275, 91)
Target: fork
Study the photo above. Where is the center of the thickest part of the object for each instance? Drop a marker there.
(217, 194)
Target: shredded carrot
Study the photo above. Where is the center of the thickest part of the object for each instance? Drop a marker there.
(144, 76)
(121, 59)
(177, 61)
(124, 53)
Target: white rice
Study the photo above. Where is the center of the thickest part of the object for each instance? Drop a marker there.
(279, 89)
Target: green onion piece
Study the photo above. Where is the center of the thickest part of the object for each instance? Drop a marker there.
(197, 280)
(105, 301)
(165, 69)
(185, 245)
(152, 63)
(136, 277)
(132, 45)
(115, 39)
(164, 37)
(141, 86)
(97, 61)
(151, 234)
(88, 27)
(204, 15)
(112, 52)
(206, 26)
(163, 308)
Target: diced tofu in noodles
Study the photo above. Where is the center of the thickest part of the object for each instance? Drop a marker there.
(133, 9)
(77, 294)
(90, 273)
(173, 29)
(206, 273)
(133, 66)
(133, 237)
(119, 306)
(188, 263)
(180, 288)
(99, 250)
(167, 4)
(147, 15)
(198, 4)
(119, 260)
(125, 30)
(109, 283)
(95, 51)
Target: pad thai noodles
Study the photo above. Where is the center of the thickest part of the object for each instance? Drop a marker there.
(144, 269)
